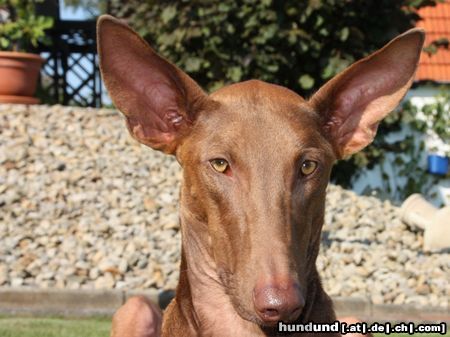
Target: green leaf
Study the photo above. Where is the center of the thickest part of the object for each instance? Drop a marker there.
(306, 81)
(168, 14)
(234, 73)
(4, 43)
(193, 64)
(344, 34)
(272, 68)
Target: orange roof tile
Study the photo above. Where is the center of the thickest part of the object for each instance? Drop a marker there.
(436, 22)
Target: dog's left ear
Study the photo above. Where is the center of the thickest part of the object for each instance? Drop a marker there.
(354, 102)
(160, 101)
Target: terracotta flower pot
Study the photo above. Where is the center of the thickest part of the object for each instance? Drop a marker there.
(18, 77)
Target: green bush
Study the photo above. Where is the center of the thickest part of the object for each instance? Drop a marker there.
(20, 28)
(298, 44)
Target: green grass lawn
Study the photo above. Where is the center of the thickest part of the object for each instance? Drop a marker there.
(58, 327)
(53, 327)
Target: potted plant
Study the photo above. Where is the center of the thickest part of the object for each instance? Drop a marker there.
(20, 31)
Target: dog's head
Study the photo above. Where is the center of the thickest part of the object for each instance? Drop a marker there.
(256, 157)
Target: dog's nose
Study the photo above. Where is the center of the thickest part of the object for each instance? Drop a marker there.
(278, 302)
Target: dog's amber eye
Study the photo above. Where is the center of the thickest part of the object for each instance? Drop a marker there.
(308, 167)
(220, 165)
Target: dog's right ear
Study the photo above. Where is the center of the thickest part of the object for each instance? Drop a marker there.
(353, 103)
(159, 100)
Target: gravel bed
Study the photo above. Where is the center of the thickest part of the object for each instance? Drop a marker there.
(82, 205)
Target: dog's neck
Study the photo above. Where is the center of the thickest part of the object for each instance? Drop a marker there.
(211, 310)
(203, 301)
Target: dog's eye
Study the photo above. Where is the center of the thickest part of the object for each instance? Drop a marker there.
(220, 165)
(308, 167)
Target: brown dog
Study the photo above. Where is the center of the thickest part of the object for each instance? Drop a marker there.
(256, 158)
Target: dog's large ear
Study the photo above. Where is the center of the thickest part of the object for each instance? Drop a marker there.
(159, 100)
(353, 103)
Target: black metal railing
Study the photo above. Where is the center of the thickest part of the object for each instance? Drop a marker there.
(70, 74)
